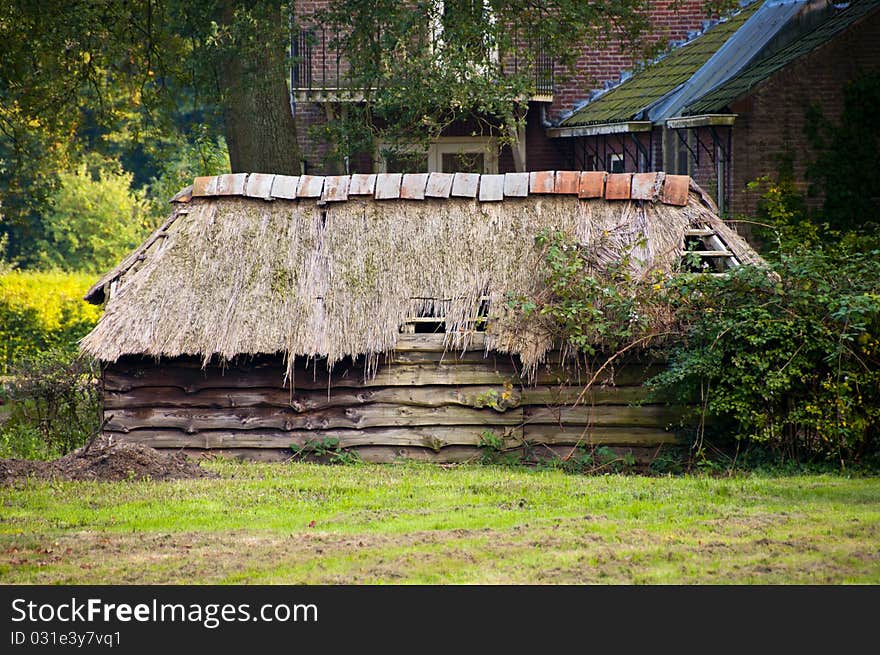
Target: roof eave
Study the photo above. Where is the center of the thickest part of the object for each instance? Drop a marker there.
(701, 120)
(599, 129)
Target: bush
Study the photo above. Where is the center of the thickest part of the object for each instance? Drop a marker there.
(55, 404)
(788, 358)
(95, 220)
(41, 311)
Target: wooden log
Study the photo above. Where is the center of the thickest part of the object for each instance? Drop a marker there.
(192, 420)
(304, 401)
(568, 395)
(659, 416)
(618, 436)
(125, 378)
(434, 438)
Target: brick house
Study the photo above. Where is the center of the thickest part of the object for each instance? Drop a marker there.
(725, 106)
(319, 91)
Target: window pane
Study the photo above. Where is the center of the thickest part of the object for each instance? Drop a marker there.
(462, 162)
(406, 163)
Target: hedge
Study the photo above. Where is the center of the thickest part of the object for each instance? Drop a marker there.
(42, 310)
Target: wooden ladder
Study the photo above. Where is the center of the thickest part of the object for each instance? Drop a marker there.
(713, 248)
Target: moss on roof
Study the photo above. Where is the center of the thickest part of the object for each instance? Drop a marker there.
(722, 96)
(624, 102)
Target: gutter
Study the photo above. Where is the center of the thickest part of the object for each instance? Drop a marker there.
(601, 128)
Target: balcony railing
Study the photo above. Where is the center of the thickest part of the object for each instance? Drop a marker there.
(320, 69)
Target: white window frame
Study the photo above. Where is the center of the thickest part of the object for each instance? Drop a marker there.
(487, 146)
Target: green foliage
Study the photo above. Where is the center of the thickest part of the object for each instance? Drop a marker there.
(204, 154)
(789, 357)
(55, 405)
(590, 302)
(41, 311)
(326, 450)
(95, 220)
(424, 65)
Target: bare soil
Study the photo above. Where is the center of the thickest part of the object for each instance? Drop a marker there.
(106, 459)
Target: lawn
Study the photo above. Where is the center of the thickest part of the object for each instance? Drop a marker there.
(416, 523)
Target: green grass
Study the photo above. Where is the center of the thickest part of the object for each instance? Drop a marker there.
(307, 523)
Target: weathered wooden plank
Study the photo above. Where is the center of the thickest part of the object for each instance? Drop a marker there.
(120, 378)
(491, 188)
(618, 436)
(259, 185)
(388, 186)
(284, 187)
(597, 395)
(448, 454)
(542, 181)
(618, 186)
(192, 420)
(439, 185)
(362, 185)
(603, 415)
(310, 186)
(464, 185)
(434, 438)
(403, 375)
(304, 401)
(371, 454)
(413, 186)
(433, 342)
(566, 182)
(591, 184)
(335, 188)
(675, 190)
(516, 185)
(231, 184)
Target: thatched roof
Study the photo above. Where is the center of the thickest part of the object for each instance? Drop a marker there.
(321, 267)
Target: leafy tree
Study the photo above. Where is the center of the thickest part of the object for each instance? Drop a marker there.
(94, 220)
(424, 65)
(132, 80)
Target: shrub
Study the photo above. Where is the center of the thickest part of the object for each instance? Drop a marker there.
(41, 311)
(790, 358)
(95, 220)
(55, 405)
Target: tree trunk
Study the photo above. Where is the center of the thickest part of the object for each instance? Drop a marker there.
(260, 131)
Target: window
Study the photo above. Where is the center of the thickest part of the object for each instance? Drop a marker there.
(614, 163)
(445, 155)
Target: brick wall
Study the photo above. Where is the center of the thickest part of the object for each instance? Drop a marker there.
(604, 60)
(772, 118)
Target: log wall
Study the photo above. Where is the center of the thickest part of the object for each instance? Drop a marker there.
(423, 403)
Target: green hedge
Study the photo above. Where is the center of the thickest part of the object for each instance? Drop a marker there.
(41, 311)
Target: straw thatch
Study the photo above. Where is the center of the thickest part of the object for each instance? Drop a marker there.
(235, 275)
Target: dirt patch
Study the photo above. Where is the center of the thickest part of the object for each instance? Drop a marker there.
(106, 459)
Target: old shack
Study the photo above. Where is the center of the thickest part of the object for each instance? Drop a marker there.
(367, 311)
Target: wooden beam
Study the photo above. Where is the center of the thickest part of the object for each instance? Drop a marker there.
(304, 401)
(124, 378)
(434, 438)
(552, 435)
(192, 420)
(658, 416)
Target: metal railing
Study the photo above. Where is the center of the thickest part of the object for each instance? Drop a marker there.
(320, 67)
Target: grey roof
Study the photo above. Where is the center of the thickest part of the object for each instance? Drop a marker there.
(770, 26)
(719, 98)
